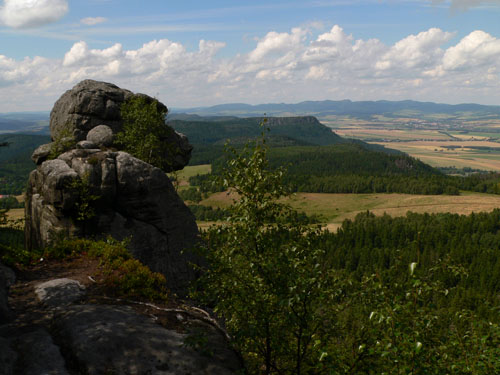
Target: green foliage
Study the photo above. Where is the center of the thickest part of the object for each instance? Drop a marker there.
(84, 209)
(300, 301)
(144, 132)
(15, 161)
(131, 278)
(123, 275)
(266, 275)
(190, 194)
(12, 252)
(282, 131)
(64, 141)
(207, 213)
(10, 202)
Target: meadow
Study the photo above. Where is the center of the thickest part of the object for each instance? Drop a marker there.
(335, 208)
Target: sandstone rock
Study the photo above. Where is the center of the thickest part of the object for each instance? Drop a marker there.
(39, 355)
(88, 104)
(101, 135)
(7, 279)
(59, 292)
(41, 153)
(86, 145)
(105, 339)
(137, 200)
(91, 103)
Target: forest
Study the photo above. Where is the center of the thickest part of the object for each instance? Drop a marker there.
(15, 161)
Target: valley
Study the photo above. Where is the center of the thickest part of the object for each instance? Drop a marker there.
(451, 142)
(333, 209)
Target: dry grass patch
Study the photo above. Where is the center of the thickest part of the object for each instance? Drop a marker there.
(15, 214)
(335, 208)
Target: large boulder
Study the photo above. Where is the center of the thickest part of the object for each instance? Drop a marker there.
(133, 200)
(90, 104)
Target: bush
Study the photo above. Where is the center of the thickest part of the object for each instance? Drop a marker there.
(125, 276)
(145, 133)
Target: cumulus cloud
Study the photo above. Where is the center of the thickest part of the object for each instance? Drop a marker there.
(415, 51)
(32, 13)
(286, 67)
(91, 21)
(475, 50)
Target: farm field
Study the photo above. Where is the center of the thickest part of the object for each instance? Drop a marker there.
(15, 214)
(335, 208)
(434, 154)
(475, 150)
(364, 133)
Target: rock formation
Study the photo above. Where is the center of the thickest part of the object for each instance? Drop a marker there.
(94, 190)
(92, 103)
(61, 331)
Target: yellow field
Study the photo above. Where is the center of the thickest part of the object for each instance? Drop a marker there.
(396, 134)
(432, 153)
(15, 213)
(430, 145)
(335, 208)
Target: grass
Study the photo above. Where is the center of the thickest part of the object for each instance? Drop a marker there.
(15, 213)
(189, 171)
(335, 208)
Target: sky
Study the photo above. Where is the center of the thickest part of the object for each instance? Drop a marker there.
(199, 53)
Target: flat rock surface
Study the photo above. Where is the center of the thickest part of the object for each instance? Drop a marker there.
(59, 292)
(39, 354)
(102, 334)
(116, 339)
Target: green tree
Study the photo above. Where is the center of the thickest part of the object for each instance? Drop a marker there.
(145, 133)
(266, 275)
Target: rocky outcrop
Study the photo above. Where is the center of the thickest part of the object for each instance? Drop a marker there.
(134, 344)
(96, 190)
(132, 200)
(87, 105)
(90, 104)
(71, 336)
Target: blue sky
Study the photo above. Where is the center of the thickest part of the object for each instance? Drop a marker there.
(195, 53)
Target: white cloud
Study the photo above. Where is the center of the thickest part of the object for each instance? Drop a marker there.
(90, 21)
(32, 13)
(415, 51)
(285, 67)
(475, 50)
(275, 42)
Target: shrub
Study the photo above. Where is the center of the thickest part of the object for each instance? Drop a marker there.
(144, 132)
(125, 276)
(65, 141)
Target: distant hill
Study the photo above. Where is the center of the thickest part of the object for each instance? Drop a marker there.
(24, 122)
(342, 107)
(304, 130)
